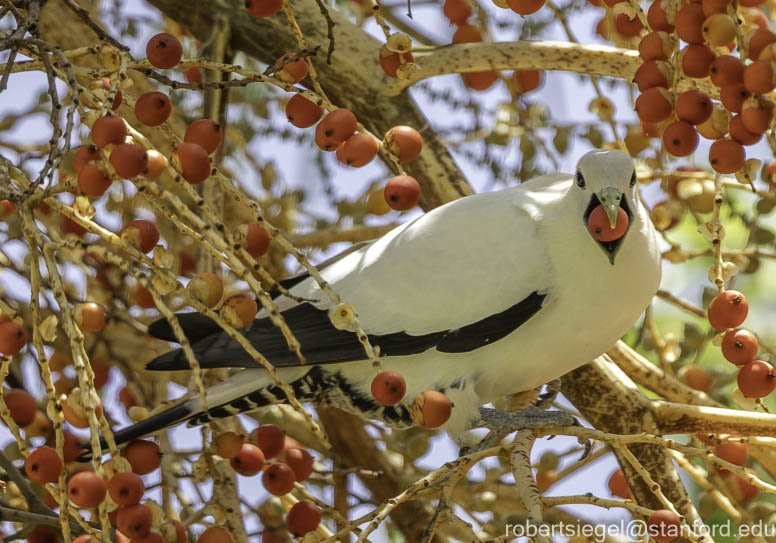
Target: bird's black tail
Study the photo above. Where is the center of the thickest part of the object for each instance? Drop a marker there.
(155, 423)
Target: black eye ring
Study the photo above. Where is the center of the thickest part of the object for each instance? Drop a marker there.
(580, 180)
(633, 179)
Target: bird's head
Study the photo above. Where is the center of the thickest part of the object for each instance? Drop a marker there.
(607, 178)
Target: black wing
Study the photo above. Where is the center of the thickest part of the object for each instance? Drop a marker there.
(321, 343)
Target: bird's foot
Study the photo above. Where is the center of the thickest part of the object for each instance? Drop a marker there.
(503, 423)
(547, 398)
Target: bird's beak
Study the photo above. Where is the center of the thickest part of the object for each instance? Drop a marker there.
(610, 200)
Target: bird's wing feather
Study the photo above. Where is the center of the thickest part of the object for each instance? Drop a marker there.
(461, 276)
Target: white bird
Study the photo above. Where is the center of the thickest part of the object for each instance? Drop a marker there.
(483, 297)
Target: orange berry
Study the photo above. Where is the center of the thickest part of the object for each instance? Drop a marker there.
(13, 338)
(726, 156)
(292, 72)
(126, 488)
(545, 479)
(656, 46)
(757, 40)
(86, 489)
(728, 310)
(694, 107)
(89, 317)
(457, 11)
(479, 81)
(207, 288)
(689, 23)
(599, 226)
(726, 70)
(434, 407)
(303, 518)
(525, 7)
(243, 307)
(694, 377)
(93, 180)
(390, 61)
(193, 74)
(228, 444)
(263, 8)
(324, 142)
(358, 150)
(467, 33)
(740, 346)
(618, 485)
(733, 97)
(627, 27)
(757, 114)
(249, 461)
(44, 534)
(301, 112)
(654, 73)
(155, 165)
(404, 142)
(107, 130)
(192, 161)
(84, 155)
(338, 125)
(664, 526)
(278, 479)
(6, 208)
(134, 520)
(760, 77)
(143, 456)
(300, 461)
(756, 379)
(654, 105)
(697, 59)
(680, 138)
(40, 426)
(129, 159)
(254, 238)
(734, 452)
(402, 192)
(388, 387)
(164, 51)
(215, 534)
(523, 81)
(43, 465)
(269, 438)
(719, 29)
(142, 234)
(204, 133)
(153, 108)
(710, 7)
(657, 17)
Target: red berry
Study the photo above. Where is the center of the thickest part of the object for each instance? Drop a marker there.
(109, 129)
(654, 105)
(358, 150)
(291, 72)
(278, 479)
(402, 192)
(435, 408)
(43, 465)
(694, 377)
(657, 18)
(756, 379)
(20, 403)
(300, 461)
(193, 74)
(129, 159)
(301, 112)
(263, 8)
(126, 488)
(303, 517)
(92, 180)
(479, 81)
(619, 486)
(689, 23)
(734, 452)
(728, 310)
(164, 51)
(727, 156)
(13, 337)
(248, 461)
(664, 526)
(599, 226)
(143, 456)
(740, 346)
(156, 164)
(404, 142)
(680, 138)
(84, 155)
(240, 309)
(134, 520)
(254, 238)
(205, 133)
(525, 7)
(339, 125)
(86, 489)
(44, 534)
(457, 11)
(388, 387)
(142, 234)
(694, 107)
(390, 61)
(153, 108)
(269, 438)
(726, 70)
(193, 162)
(215, 534)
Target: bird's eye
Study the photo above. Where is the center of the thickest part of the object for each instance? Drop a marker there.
(580, 180)
(633, 179)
